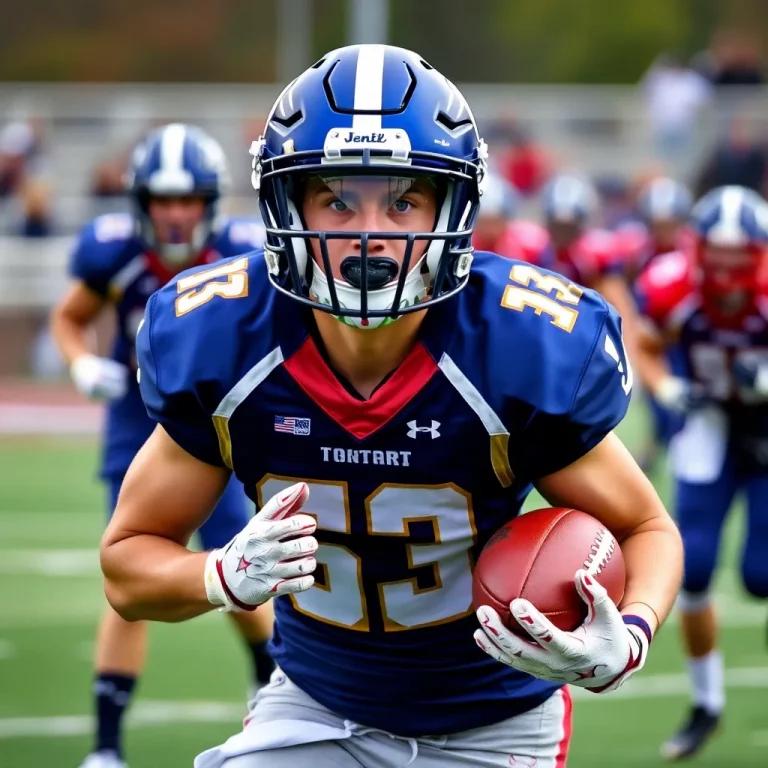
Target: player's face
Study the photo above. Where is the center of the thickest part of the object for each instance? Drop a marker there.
(490, 228)
(731, 273)
(563, 233)
(664, 233)
(175, 218)
(369, 204)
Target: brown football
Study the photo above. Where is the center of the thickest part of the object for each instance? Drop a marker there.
(536, 556)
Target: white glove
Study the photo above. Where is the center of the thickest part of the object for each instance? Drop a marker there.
(99, 378)
(600, 655)
(677, 394)
(259, 563)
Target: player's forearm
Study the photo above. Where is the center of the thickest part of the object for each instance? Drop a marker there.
(70, 335)
(148, 577)
(653, 555)
(651, 366)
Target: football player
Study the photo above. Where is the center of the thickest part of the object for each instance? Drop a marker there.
(388, 398)
(663, 205)
(176, 181)
(713, 307)
(494, 228)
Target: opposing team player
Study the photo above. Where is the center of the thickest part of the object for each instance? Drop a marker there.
(495, 226)
(714, 308)
(178, 174)
(663, 207)
(389, 398)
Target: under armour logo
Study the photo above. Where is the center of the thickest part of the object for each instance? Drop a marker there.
(413, 429)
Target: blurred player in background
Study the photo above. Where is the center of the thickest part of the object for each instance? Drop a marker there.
(368, 368)
(713, 307)
(577, 249)
(570, 245)
(494, 229)
(663, 207)
(177, 177)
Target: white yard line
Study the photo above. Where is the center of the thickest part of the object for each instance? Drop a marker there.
(146, 714)
(667, 686)
(759, 739)
(7, 649)
(49, 562)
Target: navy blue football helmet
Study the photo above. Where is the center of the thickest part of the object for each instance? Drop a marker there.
(370, 110)
(177, 160)
(664, 199)
(568, 199)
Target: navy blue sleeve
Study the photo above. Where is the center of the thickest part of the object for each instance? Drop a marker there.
(241, 236)
(166, 364)
(89, 262)
(96, 257)
(600, 401)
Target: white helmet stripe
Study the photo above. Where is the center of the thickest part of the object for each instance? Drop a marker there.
(172, 148)
(662, 198)
(369, 83)
(565, 198)
(728, 230)
(171, 178)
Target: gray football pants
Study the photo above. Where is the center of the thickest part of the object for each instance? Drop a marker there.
(288, 729)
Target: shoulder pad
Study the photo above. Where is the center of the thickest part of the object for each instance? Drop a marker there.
(240, 236)
(200, 315)
(598, 249)
(103, 248)
(532, 239)
(542, 329)
(664, 284)
(550, 357)
(202, 332)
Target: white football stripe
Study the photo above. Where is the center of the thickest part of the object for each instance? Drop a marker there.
(369, 83)
(172, 148)
(728, 232)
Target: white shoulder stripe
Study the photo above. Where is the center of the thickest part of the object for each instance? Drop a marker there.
(255, 376)
(471, 396)
(127, 275)
(497, 432)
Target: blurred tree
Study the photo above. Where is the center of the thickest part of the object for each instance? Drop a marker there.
(592, 41)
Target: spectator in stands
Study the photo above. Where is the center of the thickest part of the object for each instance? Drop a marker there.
(736, 60)
(23, 175)
(524, 164)
(674, 94)
(736, 159)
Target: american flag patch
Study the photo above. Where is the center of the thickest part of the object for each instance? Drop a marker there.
(292, 425)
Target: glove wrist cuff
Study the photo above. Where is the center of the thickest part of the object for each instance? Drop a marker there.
(636, 621)
(669, 390)
(76, 366)
(214, 589)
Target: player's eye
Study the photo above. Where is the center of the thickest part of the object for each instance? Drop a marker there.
(402, 206)
(339, 205)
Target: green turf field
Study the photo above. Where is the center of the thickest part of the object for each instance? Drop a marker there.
(51, 516)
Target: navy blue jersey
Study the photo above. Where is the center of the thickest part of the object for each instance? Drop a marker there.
(514, 378)
(112, 262)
